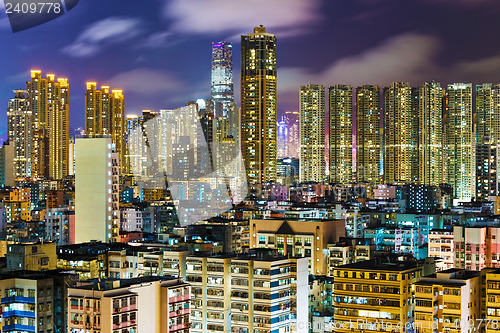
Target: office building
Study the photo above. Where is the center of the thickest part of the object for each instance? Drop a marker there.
(340, 146)
(96, 190)
(368, 136)
(460, 140)
(222, 77)
(258, 105)
(105, 115)
(48, 100)
(248, 293)
(400, 134)
(430, 140)
(312, 133)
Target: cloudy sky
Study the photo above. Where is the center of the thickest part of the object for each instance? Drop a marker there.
(158, 51)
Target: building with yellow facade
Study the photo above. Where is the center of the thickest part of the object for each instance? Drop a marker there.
(371, 291)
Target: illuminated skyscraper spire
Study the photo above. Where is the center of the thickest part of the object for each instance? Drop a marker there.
(222, 76)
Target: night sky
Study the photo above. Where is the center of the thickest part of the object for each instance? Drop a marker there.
(158, 51)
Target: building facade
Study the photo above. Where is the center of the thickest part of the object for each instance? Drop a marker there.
(96, 190)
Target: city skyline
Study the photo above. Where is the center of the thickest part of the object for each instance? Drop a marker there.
(183, 76)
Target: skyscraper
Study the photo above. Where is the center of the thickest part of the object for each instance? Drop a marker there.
(19, 131)
(222, 77)
(49, 103)
(258, 105)
(340, 136)
(488, 112)
(312, 133)
(399, 133)
(282, 139)
(96, 190)
(430, 115)
(460, 140)
(368, 134)
(105, 115)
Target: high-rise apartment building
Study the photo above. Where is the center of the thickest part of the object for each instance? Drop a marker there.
(222, 76)
(19, 131)
(312, 133)
(105, 115)
(368, 136)
(460, 140)
(48, 101)
(430, 140)
(400, 134)
(341, 113)
(96, 190)
(258, 105)
(488, 112)
(486, 166)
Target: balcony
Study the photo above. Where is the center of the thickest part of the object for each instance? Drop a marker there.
(125, 324)
(131, 307)
(17, 313)
(180, 298)
(19, 328)
(180, 312)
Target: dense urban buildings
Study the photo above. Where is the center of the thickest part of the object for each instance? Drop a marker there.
(361, 207)
(258, 105)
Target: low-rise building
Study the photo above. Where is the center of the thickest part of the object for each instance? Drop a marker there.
(369, 291)
(248, 293)
(148, 304)
(448, 301)
(35, 301)
(297, 237)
